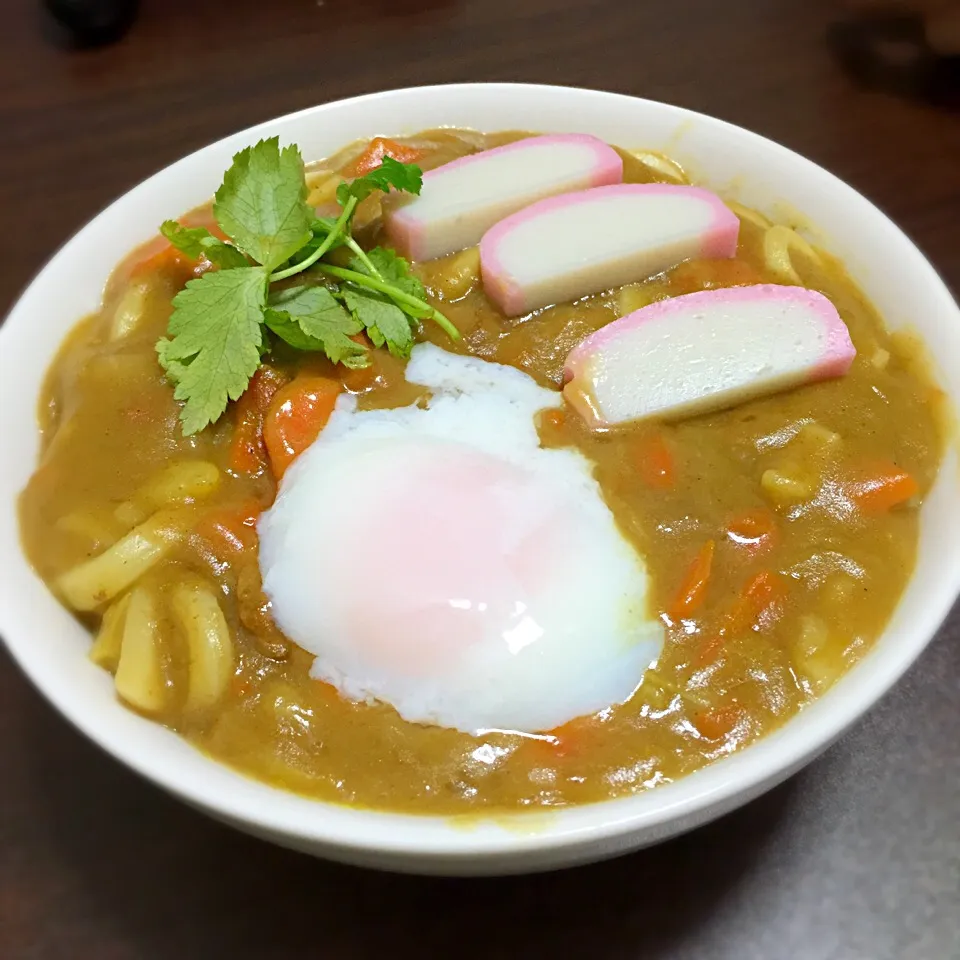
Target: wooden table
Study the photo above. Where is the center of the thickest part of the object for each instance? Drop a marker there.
(857, 858)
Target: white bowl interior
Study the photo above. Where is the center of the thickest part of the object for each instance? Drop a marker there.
(51, 647)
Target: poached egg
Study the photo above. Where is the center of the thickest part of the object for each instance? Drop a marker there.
(436, 558)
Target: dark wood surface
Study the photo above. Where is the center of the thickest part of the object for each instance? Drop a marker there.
(857, 858)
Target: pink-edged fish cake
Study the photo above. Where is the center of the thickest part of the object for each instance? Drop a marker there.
(566, 247)
(706, 351)
(462, 199)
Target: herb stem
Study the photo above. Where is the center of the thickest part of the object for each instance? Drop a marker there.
(400, 296)
(327, 243)
(363, 258)
(445, 325)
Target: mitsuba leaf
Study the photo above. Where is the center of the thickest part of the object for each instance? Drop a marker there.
(310, 318)
(197, 242)
(384, 321)
(262, 203)
(215, 334)
(391, 173)
(392, 268)
(320, 228)
(216, 339)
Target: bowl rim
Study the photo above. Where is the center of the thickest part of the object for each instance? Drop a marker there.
(344, 829)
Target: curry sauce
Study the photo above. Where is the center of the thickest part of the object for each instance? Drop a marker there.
(778, 535)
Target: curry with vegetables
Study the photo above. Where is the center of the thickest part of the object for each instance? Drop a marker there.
(778, 534)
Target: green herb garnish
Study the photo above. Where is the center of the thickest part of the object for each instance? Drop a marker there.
(216, 330)
(216, 334)
(311, 318)
(197, 242)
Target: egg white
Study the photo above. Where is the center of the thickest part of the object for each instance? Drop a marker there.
(436, 558)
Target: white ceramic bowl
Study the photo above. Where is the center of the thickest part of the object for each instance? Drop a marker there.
(51, 647)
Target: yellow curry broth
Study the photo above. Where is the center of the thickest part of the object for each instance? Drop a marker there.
(827, 575)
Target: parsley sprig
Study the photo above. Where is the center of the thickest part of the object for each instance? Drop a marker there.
(218, 331)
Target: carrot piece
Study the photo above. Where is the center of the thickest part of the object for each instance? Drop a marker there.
(161, 255)
(266, 383)
(130, 264)
(360, 380)
(883, 488)
(247, 452)
(693, 589)
(655, 462)
(570, 738)
(233, 526)
(754, 529)
(763, 589)
(710, 647)
(298, 413)
(377, 149)
(709, 274)
(169, 260)
(717, 724)
(760, 604)
(552, 419)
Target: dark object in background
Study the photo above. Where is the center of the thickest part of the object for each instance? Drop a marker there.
(90, 23)
(891, 52)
